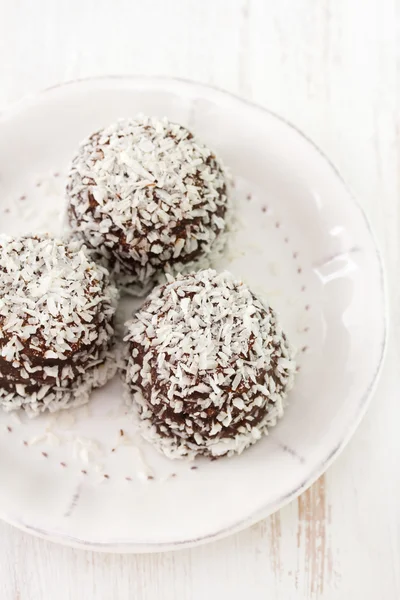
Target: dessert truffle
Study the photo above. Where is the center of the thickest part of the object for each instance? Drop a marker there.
(149, 198)
(208, 366)
(56, 324)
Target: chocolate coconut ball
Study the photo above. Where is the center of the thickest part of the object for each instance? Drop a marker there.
(56, 324)
(149, 198)
(208, 366)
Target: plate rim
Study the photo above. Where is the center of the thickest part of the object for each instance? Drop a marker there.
(325, 463)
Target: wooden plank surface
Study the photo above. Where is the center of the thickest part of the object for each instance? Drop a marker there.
(332, 67)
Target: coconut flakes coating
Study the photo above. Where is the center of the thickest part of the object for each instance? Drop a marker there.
(149, 198)
(208, 366)
(56, 323)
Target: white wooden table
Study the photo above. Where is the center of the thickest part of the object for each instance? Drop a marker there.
(331, 67)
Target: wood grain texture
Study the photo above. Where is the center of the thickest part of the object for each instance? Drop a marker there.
(333, 68)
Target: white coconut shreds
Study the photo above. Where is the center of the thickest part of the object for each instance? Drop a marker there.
(207, 366)
(57, 312)
(149, 198)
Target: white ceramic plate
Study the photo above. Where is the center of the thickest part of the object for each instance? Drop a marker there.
(301, 241)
